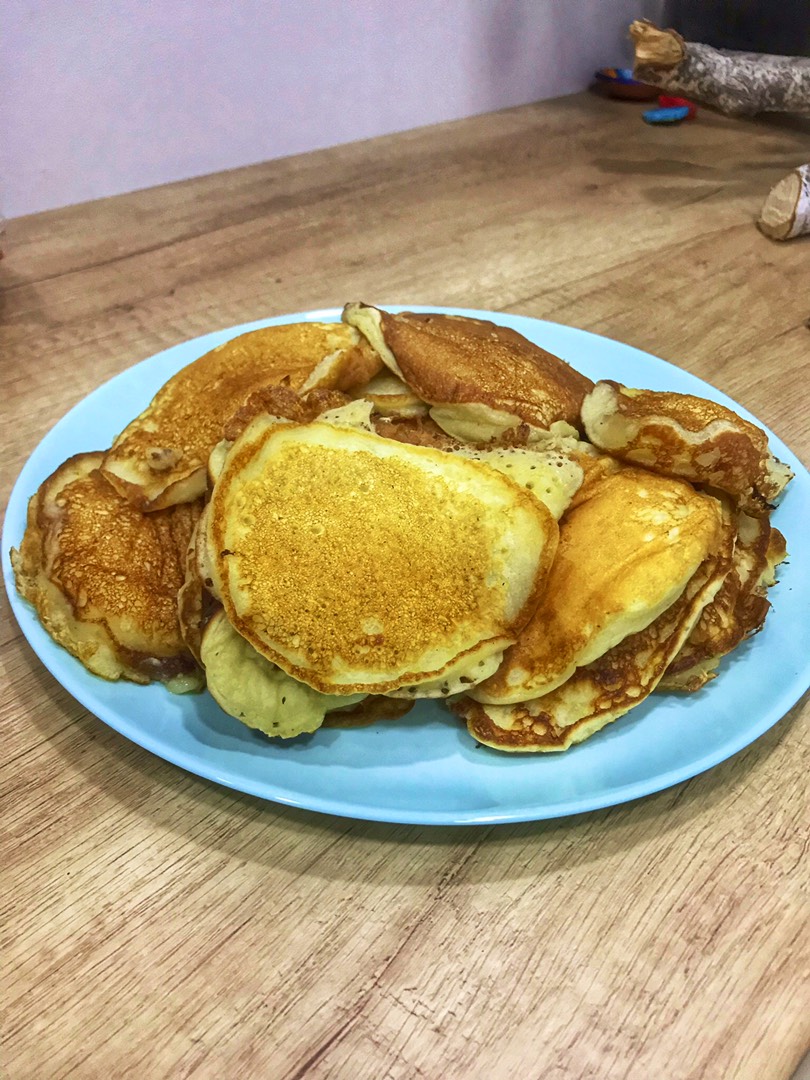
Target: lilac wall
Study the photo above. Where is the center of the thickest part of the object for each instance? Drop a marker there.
(103, 96)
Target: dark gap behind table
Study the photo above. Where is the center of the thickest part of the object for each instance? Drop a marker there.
(764, 26)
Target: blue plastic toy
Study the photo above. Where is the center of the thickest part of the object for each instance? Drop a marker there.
(666, 116)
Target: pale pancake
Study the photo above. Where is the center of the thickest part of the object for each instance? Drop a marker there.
(455, 679)
(159, 459)
(479, 378)
(260, 695)
(551, 475)
(689, 437)
(626, 552)
(250, 688)
(358, 563)
(604, 690)
(391, 397)
(104, 577)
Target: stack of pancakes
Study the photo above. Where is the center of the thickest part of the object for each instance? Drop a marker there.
(332, 521)
(104, 553)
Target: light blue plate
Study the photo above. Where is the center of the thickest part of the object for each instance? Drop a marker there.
(425, 768)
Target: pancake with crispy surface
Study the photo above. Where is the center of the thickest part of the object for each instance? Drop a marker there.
(608, 687)
(285, 403)
(159, 459)
(247, 685)
(626, 553)
(196, 604)
(362, 564)
(552, 469)
(104, 577)
(689, 437)
(737, 611)
(478, 377)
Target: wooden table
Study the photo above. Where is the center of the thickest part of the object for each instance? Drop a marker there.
(156, 925)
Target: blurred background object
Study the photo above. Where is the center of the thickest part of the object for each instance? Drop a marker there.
(749, 25)
(737, 83)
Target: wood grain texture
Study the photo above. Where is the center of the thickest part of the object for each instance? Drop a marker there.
(155, 925)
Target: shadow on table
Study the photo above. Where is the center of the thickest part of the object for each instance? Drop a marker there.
(307, 843)
(747, 179)
(753, 176)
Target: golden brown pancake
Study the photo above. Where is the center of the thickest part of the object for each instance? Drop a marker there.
(738, 610)
(595, 467)
(284, 402)
(415, 430)
(479, 378)
(552, 475)
(625, 555)
(160, 458)
(358, 563)
(104, 577)
(197, 607)
(370, 710)
(605, 689)
(196, 604)
(689, 437)
(190, 598)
